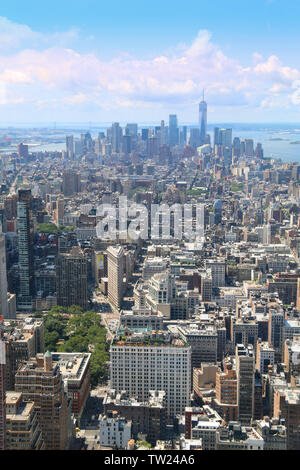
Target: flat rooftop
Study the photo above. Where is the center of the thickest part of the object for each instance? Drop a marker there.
(145, 337)
(71, 365)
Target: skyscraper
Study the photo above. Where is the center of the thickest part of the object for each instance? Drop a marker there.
(203, 120)
(236, 147)
(152, 146)
(183, 136)
(22, 424)
(116, 137)
(145, 134)
(25, 242)
(218, 204)
(23, 151)
(3, 278)
(131, 132)
(71, 182)
(259, 151)
(59, 211)
(131, 129)
(173, 130)
(10, 205)
(216, 136)
(71, 279)
(247, 147)
(50, 398)
(86, 142)
(2, 395)
(126, 144)
(226, 137)
(223, 137)
(115, 266)
(275, 332)
(195, 139)
(163, 134)
(245, 380)
(70, 146)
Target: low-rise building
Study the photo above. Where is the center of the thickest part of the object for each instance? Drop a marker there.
(238, 437)
(115, 431)
(205, 426)
(265, 356)
(147, 418)
(273, 432)
(24, 339)
(291, 355)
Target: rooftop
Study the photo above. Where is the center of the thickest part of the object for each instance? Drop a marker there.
(71, 365)
(145, 337)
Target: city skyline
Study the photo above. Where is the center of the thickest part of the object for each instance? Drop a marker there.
(94, 64)
(149, 228)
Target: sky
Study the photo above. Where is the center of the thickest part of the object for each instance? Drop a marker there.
(133, 61)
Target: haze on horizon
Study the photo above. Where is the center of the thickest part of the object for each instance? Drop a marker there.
(94, 63)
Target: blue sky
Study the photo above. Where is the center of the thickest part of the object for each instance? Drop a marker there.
(106, 61)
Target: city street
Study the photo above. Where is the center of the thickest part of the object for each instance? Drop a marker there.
(88, 436)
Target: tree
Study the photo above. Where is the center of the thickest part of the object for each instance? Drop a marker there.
(143, 444)
(74, 310)
(55, 324)
(99, 368)
(37, 315)
(58, 309)
(74, 344)
(51, 338)
(48, 228)
(80, 331)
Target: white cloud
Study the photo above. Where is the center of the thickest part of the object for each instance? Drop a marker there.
(257, 58)
(52, 75)
(295, 95)
(274, 70)
(15, 36)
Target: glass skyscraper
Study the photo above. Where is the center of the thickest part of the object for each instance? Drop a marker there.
(25, 242)
(203, 120)
(173, 130)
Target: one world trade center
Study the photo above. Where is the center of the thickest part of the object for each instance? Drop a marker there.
(203, 120)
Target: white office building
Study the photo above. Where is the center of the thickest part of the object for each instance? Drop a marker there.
(115, 431)
(140, 362)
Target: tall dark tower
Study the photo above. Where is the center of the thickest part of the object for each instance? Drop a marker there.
(245, 382)
(71, 279)
(173, 130)
(203, 120)
(2, 392)
(25, 242)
